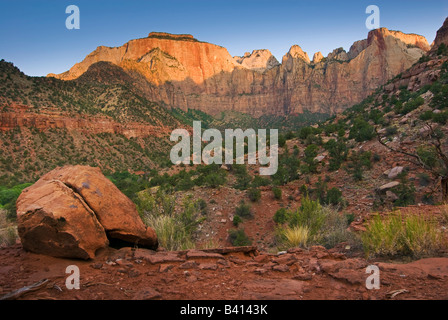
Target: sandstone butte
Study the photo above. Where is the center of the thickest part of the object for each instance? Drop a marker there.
(183, 72)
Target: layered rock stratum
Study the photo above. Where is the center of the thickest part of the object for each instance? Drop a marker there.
(183, 72)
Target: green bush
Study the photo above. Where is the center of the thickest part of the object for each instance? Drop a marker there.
(277, 193)
(254, 194)
(334, 197)
(405, 192)
(236, 220)
(238, 238)
(361, 131)
(214, 180)
(243, 210)
(281, 216)
(338, 152)
(440, 118)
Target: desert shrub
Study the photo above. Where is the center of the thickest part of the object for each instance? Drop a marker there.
(243, 179)
(390, 131)
(427, 115)
(8, 198)
(424, 179)
(440, 118)
(323, 225)
(361, 131)
(395, 235)
(304, 190)
(411, 105)
(8, 231)
(358, 161)
(334, 197)
(281, 141)
(175, 230)
(281, 216)
(260, 181)
(310, 165)
(277, 193)
(216, 179)
(254, 194)
(288, 166)
(238, 238)
(243, 210)
(236, 220)
(428, 155)
(338, 152)
(405, 192)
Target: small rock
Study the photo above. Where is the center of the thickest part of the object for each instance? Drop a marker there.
(133, 273)
(281, 268)
(262, 258)
(148, 294)
(389, 185)
(208, 266)
(260, 270)
(195, 254)
(188, 265)
(165, 267)
(395, 172)
(303, 277)
(390, 196)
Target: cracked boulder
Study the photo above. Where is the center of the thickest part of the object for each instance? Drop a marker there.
(73, 211)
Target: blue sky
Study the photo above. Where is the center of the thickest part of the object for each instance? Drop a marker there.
(33, 34)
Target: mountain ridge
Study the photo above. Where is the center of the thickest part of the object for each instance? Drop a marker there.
(185, 73)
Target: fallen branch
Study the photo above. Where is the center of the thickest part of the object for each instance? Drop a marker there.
(22, 291)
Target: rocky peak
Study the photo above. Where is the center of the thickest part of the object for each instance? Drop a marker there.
(411, 40)
(296, 52)
(357, 48)
(338, 54)
(318, 56)
(258, 60)
(442, 35)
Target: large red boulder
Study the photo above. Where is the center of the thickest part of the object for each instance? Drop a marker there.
(75, 210)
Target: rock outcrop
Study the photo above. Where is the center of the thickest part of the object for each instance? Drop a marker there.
(21, 116)
(182, 72)
(74, 211)
(318, 57)
(258, 60)
(442, 36)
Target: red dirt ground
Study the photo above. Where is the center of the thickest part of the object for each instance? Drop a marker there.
(220, 274)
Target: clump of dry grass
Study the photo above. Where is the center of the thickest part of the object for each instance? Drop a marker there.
(296, 236)
(8, 231)
(410, 235)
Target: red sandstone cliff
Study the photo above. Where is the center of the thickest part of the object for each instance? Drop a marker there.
(183, 72)
(20, 116)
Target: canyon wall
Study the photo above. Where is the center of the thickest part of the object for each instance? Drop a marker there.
(183, 72)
